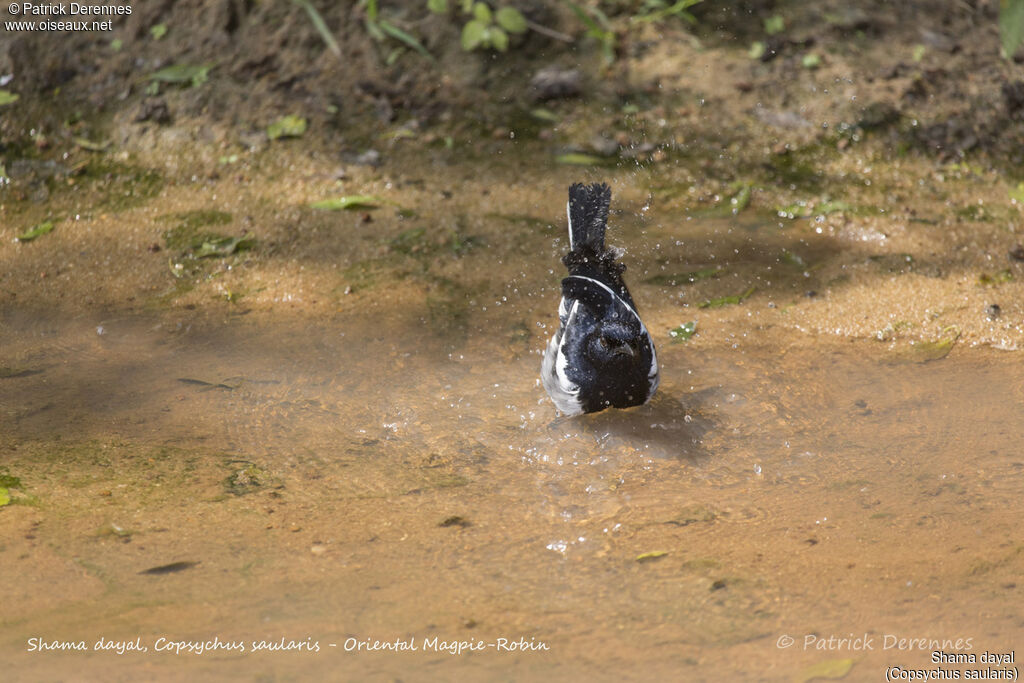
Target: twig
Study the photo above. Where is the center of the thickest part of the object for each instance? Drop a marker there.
(549, 32)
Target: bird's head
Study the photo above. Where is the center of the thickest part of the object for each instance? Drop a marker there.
(612, 343)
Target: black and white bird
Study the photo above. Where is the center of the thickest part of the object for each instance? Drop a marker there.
(602, 355)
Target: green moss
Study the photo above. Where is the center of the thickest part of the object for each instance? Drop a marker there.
(121, 186)
(246, 478)
(448, 307)
(411, 241)
(189, 230)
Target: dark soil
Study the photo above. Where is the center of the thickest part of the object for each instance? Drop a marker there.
(925, 76)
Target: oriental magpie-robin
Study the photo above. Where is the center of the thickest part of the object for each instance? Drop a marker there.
(602, 354)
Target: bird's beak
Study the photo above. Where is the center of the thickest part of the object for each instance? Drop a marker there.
(625, 349)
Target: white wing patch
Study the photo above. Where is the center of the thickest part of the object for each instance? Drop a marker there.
(560, 388)
(568, 216)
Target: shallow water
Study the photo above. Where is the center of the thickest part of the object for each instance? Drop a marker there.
(351, 479)
(357, 447)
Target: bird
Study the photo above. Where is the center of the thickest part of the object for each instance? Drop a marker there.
(602, 354)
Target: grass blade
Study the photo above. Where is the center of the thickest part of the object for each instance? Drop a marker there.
(399, 34)
(320, 26)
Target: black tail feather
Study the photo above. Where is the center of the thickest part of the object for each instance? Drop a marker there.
(588, 216)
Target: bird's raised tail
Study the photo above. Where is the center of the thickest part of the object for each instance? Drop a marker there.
(588, 216)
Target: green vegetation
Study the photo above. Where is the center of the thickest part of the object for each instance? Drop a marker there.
(684, 332)
(36, 231)
(182, 74)
(290, 126)
(321, 26)
(489, 28)
(728, 300)
(1011, 26)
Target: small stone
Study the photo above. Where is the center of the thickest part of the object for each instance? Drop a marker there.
(370, 157)
(554, 82)
(606, 147)
(153, 109)
(993, 311)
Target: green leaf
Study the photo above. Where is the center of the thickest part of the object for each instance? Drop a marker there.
(832, 668)
(474, 33)
(756, 50)
(225, 246)
(158, 31)
(829, 206)
(36, 231)
(287, 127)
(116, 44)
(919, 52)
(581, 14)
(7, 97)
(741, 199)
(406, 38)
(183, 73)
(482, 13)
(684, 331)
(774, 24)
(602, 18)
(90, 145)
(676, 10)
(1004, 275)
(1017, 194)
(374, 30)
(653, 555)
(349, 203)
(727, 300)
(925, 351)
(687, 278)
(499, 39)
(1011, 25)
(542, 114)
(811, 61)
(321, 26)
(577, 159)
(511, 19)
(437, 6)
(5, 497)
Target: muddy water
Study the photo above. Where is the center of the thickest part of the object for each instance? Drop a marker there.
(384, 465)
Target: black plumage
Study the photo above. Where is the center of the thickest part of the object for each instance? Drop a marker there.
(602, 355)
